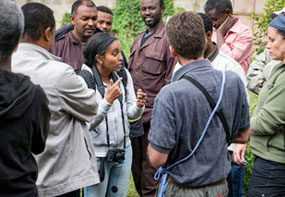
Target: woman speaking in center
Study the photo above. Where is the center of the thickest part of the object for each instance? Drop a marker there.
(117, 103)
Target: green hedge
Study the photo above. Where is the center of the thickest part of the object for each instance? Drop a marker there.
(262, 22)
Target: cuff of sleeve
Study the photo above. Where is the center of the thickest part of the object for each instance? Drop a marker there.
(160, 149)
(105, 106)
(140, 110)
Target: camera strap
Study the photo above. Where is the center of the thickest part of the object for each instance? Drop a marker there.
(101, 89)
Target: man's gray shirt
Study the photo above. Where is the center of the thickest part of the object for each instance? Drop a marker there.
(180, 114)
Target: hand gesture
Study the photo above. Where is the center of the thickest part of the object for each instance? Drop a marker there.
(227, 25)
(141, 98)
(113, 91)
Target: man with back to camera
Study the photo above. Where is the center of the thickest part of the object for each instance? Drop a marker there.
(230, 34)
(70, 42)
(150, 65)
(182, 110)
(68, 162)
(24, 114)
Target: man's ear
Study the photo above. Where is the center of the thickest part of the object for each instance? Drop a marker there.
(48, 34)
(173, 51)
(72, 19)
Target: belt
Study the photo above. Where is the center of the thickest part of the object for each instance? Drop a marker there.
(189, 186)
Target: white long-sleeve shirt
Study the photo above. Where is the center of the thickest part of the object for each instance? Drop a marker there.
(114, 118)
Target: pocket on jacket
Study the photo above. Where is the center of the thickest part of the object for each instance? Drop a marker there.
(153, 63)
(277, 141)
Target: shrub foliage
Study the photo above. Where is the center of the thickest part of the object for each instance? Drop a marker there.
(262, 21)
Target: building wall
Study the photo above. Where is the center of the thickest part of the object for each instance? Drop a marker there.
(242, 8)
(61, 7)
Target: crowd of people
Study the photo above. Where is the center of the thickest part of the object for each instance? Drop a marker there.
(78, 117)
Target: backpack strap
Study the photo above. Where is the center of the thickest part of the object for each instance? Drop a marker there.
(212, 105)
(88, 78)
(98, 81)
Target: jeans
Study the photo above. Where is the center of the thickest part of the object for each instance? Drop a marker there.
(235, 180)
(116, 181)
(268, 179)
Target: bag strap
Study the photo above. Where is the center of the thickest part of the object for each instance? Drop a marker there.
(212, 105)
(88, 78)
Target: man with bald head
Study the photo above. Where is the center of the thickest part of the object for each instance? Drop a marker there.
(150, 65)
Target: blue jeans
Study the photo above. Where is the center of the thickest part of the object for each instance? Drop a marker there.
(267, 180)
(116, 181)
(235, 180)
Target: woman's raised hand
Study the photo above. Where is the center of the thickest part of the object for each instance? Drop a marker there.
(113, 91)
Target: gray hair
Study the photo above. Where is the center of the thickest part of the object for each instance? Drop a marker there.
(11, 27)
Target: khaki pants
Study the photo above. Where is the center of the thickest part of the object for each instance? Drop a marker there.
(218, 190)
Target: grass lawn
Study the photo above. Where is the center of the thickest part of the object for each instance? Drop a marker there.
(132, 189)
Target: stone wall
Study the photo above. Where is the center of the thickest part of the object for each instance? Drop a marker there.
(242, 8)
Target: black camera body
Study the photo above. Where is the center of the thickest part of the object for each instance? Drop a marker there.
(116, 155)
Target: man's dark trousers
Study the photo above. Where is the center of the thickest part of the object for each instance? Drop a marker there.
(142, 171)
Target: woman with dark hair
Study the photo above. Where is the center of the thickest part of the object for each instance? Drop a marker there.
(268, 122)
(117, 103)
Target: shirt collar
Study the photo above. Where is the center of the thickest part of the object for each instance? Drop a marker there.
(203, 64)
(158, 32)
(237, 27)
(73, 39)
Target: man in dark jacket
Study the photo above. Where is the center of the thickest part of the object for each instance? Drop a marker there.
(24, 114)
(151, 66)
(70, 40)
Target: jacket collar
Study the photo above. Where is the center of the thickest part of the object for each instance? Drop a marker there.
(157, 34)
(32, 47)
(237, 27)
(73, 39)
